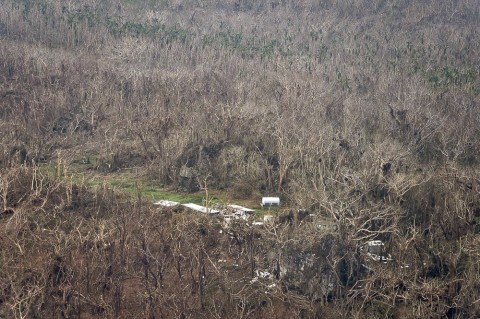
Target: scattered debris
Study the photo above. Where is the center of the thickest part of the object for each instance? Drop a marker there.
(268, 219)
(375, 250)
(232, 212)
(263, 274)
(201, 209)
(259, 274)
(229, 212)
(166, 203)
(326, 225)
(240, 212)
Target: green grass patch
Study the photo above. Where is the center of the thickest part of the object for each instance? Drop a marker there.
(133, 185)
(267, 211)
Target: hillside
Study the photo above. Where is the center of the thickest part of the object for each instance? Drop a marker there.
(363, 113)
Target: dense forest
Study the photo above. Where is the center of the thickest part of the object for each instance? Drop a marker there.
(363, 113)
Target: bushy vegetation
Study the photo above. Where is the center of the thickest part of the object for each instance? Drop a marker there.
(364, 113)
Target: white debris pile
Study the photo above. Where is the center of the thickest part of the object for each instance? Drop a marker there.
(201, 209)
(166, 203)
(375, 250)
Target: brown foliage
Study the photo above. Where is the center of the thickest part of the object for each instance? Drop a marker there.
(363, 112)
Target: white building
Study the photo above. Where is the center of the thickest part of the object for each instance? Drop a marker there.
(270, 201)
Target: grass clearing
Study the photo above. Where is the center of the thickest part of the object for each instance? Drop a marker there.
(131, 183)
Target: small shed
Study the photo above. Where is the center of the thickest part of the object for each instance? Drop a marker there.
(270, 201)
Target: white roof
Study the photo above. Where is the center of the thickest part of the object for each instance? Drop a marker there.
(271, 200)
(200, 209)
(241, 208)
(166, 203)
